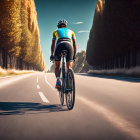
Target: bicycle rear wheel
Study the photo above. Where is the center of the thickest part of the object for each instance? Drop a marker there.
(70, 95)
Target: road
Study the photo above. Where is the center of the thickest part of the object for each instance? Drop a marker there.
(106, 108)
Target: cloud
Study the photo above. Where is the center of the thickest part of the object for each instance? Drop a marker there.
(79, 22)
(83, 31)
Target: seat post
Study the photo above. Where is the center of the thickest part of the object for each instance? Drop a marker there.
(63, 60)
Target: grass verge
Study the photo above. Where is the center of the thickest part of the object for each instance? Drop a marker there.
(9, 72)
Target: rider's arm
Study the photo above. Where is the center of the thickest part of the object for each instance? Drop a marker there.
(53, 47)
(74, 46)
(53, 43)
(74, 43)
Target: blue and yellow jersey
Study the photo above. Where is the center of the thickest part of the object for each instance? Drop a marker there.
(63, 33)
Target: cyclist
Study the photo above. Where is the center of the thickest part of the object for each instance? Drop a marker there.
(66, 40)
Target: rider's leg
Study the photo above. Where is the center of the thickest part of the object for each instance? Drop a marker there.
(57, 69)
(69, 65)
(57, 74)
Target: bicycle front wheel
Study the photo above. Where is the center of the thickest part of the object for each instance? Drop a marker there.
(61, 96)
(61, 92)
(70, 95)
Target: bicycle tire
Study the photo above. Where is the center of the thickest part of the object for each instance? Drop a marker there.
(61, 92)
(70, 96)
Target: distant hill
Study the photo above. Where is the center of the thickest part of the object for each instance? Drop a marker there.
(52, 68)
(79, 66)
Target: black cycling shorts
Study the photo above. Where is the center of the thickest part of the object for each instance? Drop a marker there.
(64, 45)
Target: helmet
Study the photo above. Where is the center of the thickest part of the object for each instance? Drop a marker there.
(61, 22)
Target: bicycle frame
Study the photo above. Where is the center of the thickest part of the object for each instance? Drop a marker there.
(64, 74)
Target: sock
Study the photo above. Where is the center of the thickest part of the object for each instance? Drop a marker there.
(58, 78)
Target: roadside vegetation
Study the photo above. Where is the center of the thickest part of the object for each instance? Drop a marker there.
(9, 72)
(19, 32)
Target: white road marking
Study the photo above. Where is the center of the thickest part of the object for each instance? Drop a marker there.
(38, 87)
(114, 118)
(14, 79)
(37, 79)
(44, 99)
(49, 83)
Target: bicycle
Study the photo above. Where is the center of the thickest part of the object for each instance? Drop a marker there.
(67, 85)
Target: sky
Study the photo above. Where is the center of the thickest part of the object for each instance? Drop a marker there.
(78, 13)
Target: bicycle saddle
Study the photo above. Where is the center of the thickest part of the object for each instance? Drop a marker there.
(64, 52)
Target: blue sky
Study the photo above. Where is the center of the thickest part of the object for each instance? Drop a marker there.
(78, 13)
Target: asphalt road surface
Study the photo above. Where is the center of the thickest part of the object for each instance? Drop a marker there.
(106, 108)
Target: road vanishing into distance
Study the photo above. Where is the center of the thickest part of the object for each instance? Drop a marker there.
(106, 108)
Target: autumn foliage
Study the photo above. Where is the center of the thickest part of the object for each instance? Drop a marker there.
(99, 6)
(19, 33)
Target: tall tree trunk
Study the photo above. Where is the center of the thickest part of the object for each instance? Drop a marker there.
(4, 57)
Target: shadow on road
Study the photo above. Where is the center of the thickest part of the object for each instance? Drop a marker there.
(121, 78)
(21, 108)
